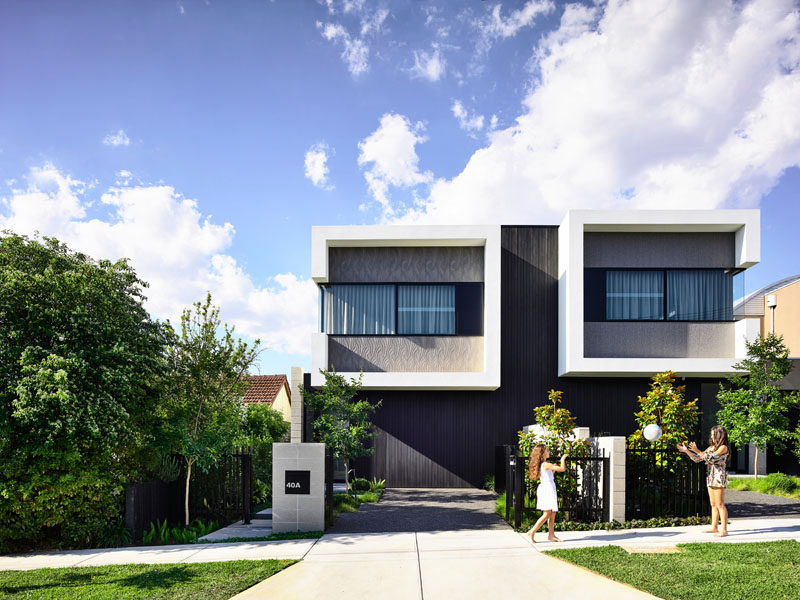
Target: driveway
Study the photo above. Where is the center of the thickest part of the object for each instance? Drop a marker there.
(423, 509)
(754, 505)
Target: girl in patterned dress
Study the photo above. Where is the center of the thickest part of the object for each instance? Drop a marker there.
(715, 457)
(546, 497)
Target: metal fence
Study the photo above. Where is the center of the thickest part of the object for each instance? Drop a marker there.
(662, 482)
(226, 490)
(329, 472)
(586, 497)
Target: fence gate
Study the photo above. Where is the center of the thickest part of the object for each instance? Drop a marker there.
(662, 482)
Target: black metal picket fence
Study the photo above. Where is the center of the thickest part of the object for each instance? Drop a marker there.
(585, 500)
(226, 490)
(662, 482)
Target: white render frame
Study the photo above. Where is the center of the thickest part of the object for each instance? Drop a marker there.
(488, 236)
(571, 361)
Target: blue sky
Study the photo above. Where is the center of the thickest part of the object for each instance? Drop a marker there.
(203, 139)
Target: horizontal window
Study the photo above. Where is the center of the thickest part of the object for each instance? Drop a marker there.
(658, 295)
(402, 309)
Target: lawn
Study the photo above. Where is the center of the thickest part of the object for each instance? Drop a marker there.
(776, 484)
(713, 570)
(200, 581)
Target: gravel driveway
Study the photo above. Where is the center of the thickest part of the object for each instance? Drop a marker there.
(755, 505)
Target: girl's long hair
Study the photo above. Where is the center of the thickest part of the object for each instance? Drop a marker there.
(535, 464)
(718, 437)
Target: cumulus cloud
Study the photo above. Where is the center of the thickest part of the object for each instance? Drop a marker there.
(641, 104)
(372, 23)
(355, 51)
(173, 246)
(117, 139)
(390, 158)
(316, 163)
(470, 123)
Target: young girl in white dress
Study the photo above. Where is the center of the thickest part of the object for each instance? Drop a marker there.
(546, 497)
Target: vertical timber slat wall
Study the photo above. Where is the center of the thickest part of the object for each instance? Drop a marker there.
(448, 438)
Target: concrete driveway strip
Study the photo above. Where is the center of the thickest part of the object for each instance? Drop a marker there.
(349, 566)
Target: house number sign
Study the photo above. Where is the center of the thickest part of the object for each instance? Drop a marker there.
(298, 482)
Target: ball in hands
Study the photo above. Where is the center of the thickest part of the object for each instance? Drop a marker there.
(652, 432)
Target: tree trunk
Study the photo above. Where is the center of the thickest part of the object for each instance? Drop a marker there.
(755, 462)
(347, 475)
(186, 495)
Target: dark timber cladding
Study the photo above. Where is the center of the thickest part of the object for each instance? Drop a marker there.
(448, 438)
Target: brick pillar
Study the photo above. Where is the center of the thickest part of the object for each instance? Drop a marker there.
(297, 406)
(614, 447)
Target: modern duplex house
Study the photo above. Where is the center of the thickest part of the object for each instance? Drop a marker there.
(461, 330)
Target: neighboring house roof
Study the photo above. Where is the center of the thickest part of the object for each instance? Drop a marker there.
(753, 304)
(265, 388)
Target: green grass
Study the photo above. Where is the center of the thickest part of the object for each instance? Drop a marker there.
(206, 581)
(273, 537)
(346, 503)
(776, 484)
(719, 571)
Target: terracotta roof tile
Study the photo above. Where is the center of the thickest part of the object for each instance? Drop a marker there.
(265, 388)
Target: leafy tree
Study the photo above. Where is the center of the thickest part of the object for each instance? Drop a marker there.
(666, 406)
(202, 407)
(342, 423)
(557, 434)
(262, 426)
(754, 408)
(80, 366)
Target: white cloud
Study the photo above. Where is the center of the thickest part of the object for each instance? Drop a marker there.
(390, 153)
(646, 104)
(469, 123)
(494, 25)
(316, 164)
(430, 66)
(173, 246)
(355, 52)
(117, 139)
(373, 23)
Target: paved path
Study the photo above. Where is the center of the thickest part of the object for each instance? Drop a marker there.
(749, 505)
(260, 526)
(423, 509)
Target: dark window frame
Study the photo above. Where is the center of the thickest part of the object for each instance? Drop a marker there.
(462, 329)
(594, 307)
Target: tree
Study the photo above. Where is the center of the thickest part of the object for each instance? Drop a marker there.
(557, 434)
(754, 407)
(665, 405)
(202, 406)
(342, 423)
(80, 366)
(263, 425)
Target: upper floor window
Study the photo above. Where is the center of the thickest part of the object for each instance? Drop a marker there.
(658, 295)
(402, 309)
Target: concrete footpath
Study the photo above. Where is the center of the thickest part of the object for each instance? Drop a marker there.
(432, 565)
(479, 564)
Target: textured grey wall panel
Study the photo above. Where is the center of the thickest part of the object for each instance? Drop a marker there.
(659, 250)
(396, 264)
(658, 340)
(406, 353)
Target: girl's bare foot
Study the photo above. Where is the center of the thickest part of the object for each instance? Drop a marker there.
(710, 530)
(722, 534)
(531, 533)
(552, 538)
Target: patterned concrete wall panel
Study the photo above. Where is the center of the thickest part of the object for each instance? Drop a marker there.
(659, 250)
(406, 353)
(406, 264)
(658, 340)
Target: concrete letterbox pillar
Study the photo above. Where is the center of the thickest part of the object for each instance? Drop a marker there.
(298, 487)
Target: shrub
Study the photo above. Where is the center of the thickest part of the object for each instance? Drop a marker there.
(488, 482)
(369, 497)
(359, 484)
(377, 485)
(781, 483)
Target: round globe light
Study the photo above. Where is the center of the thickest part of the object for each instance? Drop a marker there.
(652, 432)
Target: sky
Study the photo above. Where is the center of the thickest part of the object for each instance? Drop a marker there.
(203, 139)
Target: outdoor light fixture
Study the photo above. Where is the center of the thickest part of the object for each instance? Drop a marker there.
(772, 302)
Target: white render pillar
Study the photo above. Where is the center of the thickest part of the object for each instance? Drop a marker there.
(297, 406)
(298, 487)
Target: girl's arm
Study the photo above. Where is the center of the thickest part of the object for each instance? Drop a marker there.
(557, 468)
(689, 452)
